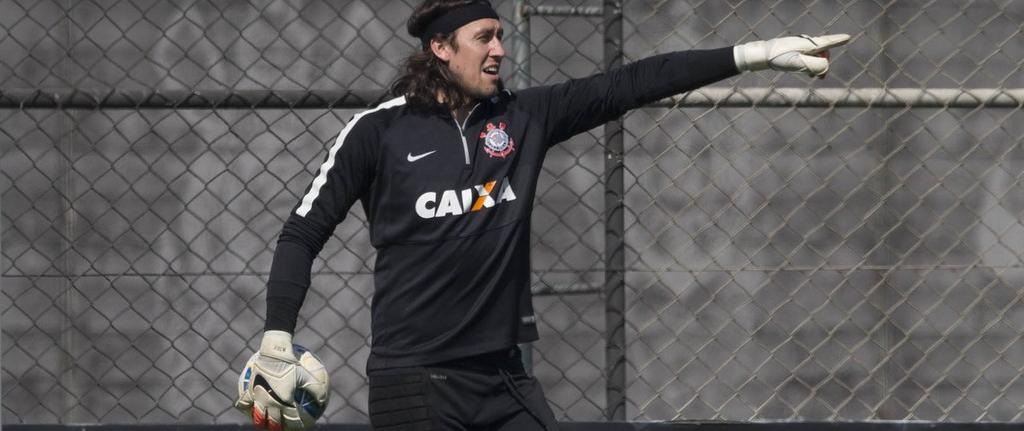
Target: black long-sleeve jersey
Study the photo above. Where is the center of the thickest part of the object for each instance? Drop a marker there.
(449, 206)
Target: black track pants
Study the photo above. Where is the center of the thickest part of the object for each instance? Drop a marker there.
(486, 392)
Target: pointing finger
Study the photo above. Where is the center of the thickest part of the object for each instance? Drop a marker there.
(823, 43)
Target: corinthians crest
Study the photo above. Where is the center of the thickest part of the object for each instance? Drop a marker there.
(497, 143)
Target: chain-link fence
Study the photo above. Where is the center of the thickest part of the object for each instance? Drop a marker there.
(844, 249)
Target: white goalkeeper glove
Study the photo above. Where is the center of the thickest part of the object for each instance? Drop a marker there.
(276, 373)
(791, 54)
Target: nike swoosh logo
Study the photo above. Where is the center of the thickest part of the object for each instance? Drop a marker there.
(412, 158)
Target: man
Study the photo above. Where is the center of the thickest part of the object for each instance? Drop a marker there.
(446, 173)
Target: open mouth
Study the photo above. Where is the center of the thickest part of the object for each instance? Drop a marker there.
(491, 70)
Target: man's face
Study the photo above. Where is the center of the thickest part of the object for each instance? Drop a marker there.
(476, 61)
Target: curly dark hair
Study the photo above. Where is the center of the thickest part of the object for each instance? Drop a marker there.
(425, 75)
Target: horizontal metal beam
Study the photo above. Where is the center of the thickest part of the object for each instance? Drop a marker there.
(591, 11)
(728, 97)
(846, 97)
(566, 289)
(183, 99)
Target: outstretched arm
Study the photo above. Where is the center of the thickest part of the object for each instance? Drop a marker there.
(579, 105)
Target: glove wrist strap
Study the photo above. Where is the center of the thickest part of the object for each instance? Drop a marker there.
(750, 56)
(278, 345)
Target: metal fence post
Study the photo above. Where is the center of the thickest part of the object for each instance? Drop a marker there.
(519, 45)
(614, 241)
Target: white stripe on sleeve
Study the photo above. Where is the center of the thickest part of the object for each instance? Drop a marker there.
(321, 178)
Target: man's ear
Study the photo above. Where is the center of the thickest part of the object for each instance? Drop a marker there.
(441, 49)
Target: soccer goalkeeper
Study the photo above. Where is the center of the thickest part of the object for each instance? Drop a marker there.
(446, 173)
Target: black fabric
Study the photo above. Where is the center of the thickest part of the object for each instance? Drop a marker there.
(398, 402)
(286, 289)
(488, 392)
(449, 205)
(454, 18)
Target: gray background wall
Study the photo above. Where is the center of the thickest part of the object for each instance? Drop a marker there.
(782, 263)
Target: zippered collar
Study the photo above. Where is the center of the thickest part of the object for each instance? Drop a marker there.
(462, 130)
